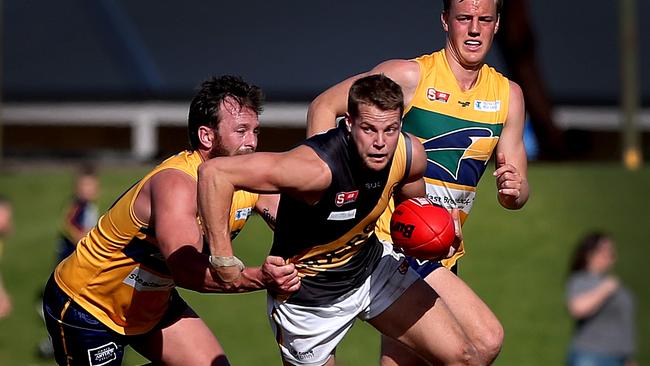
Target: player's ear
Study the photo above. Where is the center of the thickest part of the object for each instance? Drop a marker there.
(496, 27)
(443, 20)
(206, 136)
(348, 122)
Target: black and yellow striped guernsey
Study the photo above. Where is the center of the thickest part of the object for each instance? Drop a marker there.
(332, 243)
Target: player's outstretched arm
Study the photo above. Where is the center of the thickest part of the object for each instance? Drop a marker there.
(298, 172)
(333, 102)
(511, 163)
(173, 216)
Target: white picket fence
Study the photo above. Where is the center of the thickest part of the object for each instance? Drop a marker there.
(144, 118)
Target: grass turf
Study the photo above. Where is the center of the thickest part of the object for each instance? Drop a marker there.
(516, 261)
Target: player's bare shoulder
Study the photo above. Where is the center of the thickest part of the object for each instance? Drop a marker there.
(516, 107)
(406, 73)
(516, 93)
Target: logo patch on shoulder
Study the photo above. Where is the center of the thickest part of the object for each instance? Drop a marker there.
(487, 105)
(343, 198)
(437, 96)
(102, 354)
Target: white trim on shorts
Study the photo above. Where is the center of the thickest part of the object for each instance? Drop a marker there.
(308, 335)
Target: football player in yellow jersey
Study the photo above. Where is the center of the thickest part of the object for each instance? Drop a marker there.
(445, 118)
(117, 287)
(334, 187)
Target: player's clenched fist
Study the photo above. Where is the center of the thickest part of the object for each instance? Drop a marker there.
(279, 276)
(509, 182)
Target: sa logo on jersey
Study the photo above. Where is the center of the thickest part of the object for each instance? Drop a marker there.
(447, 151)
(437, 96)
(343, 198)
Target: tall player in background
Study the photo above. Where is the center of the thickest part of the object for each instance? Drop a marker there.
(462, 110)
(118, 286)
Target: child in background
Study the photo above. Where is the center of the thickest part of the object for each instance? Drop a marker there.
(82, 214)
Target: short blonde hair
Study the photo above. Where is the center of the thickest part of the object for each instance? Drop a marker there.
(446, 4)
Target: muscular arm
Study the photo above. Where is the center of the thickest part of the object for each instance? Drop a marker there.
(298, 172)
(414, 183)
(333, 102)
(511, 163)
(173, 217)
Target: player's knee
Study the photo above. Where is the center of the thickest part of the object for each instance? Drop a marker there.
(490, 342)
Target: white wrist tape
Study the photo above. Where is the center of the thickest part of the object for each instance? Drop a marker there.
(217, 261)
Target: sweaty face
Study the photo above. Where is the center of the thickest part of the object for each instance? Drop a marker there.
(470, 27)
(237, 131)
(375, 133)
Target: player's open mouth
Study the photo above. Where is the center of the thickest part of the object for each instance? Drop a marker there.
(377, 157)
(473, 44)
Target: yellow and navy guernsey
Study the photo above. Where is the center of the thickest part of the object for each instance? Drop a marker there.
(459, 131)
(117, 272)
(332, 242)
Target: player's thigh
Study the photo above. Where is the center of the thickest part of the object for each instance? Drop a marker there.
(183, 340)
(422, 321)
(476, 318)
(309, 334)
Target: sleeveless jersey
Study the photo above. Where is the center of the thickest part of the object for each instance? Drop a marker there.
(459, 131)
(117, 272)
(332, 242)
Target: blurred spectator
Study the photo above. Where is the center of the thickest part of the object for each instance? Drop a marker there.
(6, 227)
(81, 213)
(517, 44)
(603, 309)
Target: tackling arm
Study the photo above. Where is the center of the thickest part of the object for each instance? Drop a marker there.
(298, 172)
(173, 216)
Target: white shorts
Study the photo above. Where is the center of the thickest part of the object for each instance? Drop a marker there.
(308, 335)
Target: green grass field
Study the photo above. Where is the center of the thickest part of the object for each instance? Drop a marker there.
(516, 262)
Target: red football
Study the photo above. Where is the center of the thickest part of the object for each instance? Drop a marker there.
(422, 229)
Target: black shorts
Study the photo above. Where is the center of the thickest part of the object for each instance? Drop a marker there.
(79, 338)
